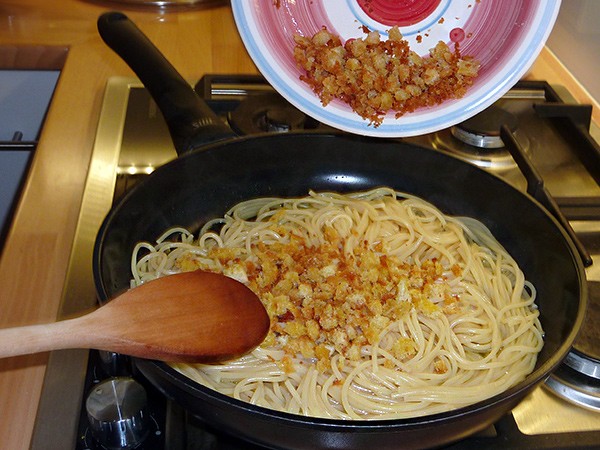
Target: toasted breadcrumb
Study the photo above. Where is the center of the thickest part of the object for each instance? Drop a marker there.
(375, 77)
(321, 300)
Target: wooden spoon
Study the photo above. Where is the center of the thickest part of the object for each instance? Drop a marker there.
(189, 317)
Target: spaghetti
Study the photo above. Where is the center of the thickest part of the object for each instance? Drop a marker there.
(381, 306)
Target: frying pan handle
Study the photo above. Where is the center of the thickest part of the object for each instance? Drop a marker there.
(190, 121)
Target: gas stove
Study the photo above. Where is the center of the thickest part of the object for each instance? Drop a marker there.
(535, 138)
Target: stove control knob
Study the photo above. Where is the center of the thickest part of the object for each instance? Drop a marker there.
(117, 413)
(115, 364)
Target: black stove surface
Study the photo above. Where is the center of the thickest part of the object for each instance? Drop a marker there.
(171, 427)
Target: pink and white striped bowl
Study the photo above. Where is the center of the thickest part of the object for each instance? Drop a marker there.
(505, 36)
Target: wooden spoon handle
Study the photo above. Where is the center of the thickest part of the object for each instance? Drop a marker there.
(192, 317)
(41, 338)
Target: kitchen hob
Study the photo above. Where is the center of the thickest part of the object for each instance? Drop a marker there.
(534, 137)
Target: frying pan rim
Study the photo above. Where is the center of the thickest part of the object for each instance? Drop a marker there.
(532, 380)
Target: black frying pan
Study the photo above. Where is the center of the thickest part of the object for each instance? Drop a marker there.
(206, 180)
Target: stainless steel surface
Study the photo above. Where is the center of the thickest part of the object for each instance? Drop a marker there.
(146, 133)
(61, 397)
(542, 412)
(131, 149)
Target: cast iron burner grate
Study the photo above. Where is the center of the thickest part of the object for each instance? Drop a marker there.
(268, 112)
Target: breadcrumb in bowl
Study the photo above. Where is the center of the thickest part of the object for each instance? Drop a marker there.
(375, 77)
(499, 41)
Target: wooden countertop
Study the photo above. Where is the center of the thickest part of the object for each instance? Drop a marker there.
(37, 33)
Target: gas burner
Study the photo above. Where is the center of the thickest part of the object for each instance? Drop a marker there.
(268, 112)
(483, 129)
(575, 387)
(578, 378)
(477, 140)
